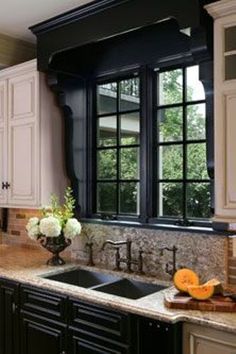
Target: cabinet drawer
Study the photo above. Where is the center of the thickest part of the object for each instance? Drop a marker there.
(43, 302)
(82, 342)
(101, 321)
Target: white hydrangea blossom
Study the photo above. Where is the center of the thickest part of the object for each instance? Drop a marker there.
(32, 223)
(50, 226)
(34, 232)
(72, 228)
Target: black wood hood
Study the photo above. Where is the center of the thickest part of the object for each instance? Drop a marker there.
(101, 19)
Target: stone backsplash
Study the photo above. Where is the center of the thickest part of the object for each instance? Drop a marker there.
(208, 254)
(205, 253)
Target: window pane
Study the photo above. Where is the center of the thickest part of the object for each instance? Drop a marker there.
(129, 94)
(106, 164)
(129, 129)
(195, 90)
(170, 124)
(171, 162)
(230, 38)
(129, 198)
(197, 164)
(198, 200)
(106, 197)
(129, 163)
(196, 121)
(170, 87)
(107, 131)
(170, 199)
(107, 98)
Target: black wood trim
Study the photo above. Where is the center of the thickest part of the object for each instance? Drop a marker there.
(4, 219)
(75, 14)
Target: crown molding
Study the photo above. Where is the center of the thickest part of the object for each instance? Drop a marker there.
(221, 8)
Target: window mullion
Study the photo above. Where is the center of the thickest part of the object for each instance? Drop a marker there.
(118, 149)
(185, 162)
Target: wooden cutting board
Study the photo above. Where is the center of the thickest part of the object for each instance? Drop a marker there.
(176, 300)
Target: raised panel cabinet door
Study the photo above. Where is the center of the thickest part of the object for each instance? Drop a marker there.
(202, 340)
(22, 169)
(3, 141)
(41, 336)
(23, 96)
(9, 339)
(23, 145)
(81, 342)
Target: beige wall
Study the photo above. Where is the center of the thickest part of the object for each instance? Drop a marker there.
(14, 51)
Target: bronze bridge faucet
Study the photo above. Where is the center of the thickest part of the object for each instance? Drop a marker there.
(128, 259)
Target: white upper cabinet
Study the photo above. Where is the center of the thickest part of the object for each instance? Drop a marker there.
(3, 140)
(224, 14)
(32, 154)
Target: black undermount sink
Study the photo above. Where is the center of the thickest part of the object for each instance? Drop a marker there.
(107, 283)
(130, 289)
(83, 278)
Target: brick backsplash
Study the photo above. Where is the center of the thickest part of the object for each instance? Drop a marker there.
(17, 220)
(231, 267)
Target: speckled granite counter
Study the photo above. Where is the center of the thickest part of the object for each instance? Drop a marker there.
(27, 266)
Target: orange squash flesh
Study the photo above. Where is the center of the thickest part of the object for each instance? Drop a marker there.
(201, 292)
(184, 278)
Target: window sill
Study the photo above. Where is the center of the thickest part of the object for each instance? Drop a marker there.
(174, 228)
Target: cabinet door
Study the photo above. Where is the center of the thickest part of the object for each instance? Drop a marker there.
(40, 335)
(202, 340)
(23, 152)
(156, 337)
(3, 140)
(81, 342)
(9, 339)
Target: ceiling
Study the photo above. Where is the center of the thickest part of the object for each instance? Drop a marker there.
(17, 15)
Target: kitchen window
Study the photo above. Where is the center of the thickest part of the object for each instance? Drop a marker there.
(149, 147)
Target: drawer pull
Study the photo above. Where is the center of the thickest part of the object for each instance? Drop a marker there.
(14, 307)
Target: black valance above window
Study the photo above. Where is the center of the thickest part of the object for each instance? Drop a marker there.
(102, 19)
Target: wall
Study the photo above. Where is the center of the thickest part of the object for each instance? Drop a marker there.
(14, 51)
(208, 254)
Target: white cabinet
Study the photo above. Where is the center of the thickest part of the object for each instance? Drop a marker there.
(32, 153)
(203, 340)
(224, 13)
(3, 139)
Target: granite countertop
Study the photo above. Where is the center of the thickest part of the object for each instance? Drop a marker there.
(28, 266)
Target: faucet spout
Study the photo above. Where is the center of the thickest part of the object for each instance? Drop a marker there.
(113, 243)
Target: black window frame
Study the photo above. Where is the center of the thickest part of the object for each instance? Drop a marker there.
(185, 142)
(118, 146)
(148, 134)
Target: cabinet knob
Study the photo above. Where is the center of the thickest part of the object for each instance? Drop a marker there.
(5, 185)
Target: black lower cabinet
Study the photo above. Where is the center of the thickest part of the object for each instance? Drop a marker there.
(96, 329)
(83, 343)
(41, 336)
(9, 311)
(157, 337)
(35, 321)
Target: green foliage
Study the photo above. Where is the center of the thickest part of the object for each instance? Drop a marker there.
(170, 123)
(62, 212)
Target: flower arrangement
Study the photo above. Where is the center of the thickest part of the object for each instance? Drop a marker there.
(57, 227)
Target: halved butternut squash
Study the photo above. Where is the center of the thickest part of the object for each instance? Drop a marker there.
(201, 292)
(184, 278)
